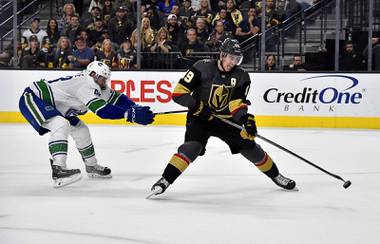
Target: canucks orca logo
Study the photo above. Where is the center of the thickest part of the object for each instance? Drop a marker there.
(219, 97)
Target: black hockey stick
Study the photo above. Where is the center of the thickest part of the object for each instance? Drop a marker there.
(346, 183)
(171, 112)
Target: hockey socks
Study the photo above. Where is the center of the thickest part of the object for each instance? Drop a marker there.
(267, 166)
(177, 165)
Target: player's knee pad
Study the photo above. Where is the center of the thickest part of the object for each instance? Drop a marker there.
(254, 155)
(190, 149)
(58, 126)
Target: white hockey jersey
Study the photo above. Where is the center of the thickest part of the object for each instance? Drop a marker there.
(74, 95)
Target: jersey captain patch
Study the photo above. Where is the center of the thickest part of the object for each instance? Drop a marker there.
(220, 96)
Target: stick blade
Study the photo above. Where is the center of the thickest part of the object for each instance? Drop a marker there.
(347, 184)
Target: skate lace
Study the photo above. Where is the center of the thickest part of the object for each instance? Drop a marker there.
(282, 180)
(98, 167)
(162, 183)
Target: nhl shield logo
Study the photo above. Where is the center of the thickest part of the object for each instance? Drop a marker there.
(219, 97)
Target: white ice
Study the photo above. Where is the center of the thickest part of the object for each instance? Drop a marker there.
(219, 199)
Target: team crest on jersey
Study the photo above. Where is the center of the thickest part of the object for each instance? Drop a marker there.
(219, 97)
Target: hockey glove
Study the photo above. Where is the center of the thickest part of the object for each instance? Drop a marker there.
(200, 110)
(139, 114)
(250, 130)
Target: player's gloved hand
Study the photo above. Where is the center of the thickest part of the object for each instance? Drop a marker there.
(139, 114)
(250, 130)
(201, 110)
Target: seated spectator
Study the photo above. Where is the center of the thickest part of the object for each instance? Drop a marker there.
(83, 55)
(15, 61)
(297, 64)
(108, 10)
(119, 26)
(147, 36)
(161, 49)
(95, 33)
(217, 37)
(151, 13)
(47, 48)
(176, 31)
(84, 34)
(98, 45)
(375, 53)
(202, 30)
(185, 13)
(222, 15)
(235, 13)
(272, 17)
(205, 12)
(32, 56)
(350, 60)
(175, 9)
(95, 3)
(192, 43)
(107, 55)
(35, 31)
(127, 56)
(6, 55)
(63, 54)
(249, 27)
(162, 43)
(88, 22)
(68, 12)
(73, 29)
(270, 63)
(52, 31)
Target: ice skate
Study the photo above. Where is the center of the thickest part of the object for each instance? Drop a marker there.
(62, 177)
(159, 187)
(98, 171)
(286, 183)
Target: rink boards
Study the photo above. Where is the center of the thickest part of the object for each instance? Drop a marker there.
(322, 100)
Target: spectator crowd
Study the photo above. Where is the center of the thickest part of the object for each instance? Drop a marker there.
(105, 30)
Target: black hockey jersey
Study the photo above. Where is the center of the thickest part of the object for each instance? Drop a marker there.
(224, 92)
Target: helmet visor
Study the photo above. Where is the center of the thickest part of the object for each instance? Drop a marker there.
(236, 59)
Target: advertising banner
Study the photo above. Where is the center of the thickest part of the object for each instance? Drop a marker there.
(278, 99)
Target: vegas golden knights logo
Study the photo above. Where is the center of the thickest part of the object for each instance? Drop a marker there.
(219, 97)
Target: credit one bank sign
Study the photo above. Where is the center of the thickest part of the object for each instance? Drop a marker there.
(312, 94)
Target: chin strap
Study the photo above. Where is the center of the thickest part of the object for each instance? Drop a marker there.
(221, 65)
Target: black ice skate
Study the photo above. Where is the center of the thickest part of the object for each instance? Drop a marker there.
(286, 183)
(98, 171)
(159, 187)
(62, 177)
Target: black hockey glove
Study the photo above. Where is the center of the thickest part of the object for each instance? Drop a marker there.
(200, 110)
(139, 114)
(250, 130)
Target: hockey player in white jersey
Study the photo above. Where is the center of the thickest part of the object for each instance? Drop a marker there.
(53, 106)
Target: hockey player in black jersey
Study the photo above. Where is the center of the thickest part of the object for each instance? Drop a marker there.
(218, 87)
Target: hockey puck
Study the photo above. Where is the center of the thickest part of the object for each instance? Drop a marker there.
(347, 184)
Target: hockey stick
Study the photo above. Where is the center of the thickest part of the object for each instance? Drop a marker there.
(346, 183)
(171, 112)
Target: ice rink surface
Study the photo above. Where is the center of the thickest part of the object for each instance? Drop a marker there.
(219, 199)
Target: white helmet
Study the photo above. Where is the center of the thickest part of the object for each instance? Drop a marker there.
(100, 69)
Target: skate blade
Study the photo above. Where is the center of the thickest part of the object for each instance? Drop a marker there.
(153, 193)
(58, 183)
(294, 189)
(97, 176)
